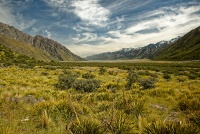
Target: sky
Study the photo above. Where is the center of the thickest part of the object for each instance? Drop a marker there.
(89, 27)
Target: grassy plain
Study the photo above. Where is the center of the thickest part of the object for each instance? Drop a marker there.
(30, 101)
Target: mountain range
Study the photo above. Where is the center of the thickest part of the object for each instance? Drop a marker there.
(146, 52)
(37, 47)
(179, 48)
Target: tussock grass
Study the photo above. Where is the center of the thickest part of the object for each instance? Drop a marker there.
(108, 109)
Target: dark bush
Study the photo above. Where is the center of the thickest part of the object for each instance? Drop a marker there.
(166, 76)
(66, 80)
(102, 70)
(147, 83)
(87, 85)
(131, 78)
(88, 76)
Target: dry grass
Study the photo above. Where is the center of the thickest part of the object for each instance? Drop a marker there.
(107, 110)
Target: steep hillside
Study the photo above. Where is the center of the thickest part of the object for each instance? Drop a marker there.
(186, 48)
(55, 49)
(8, 57)
(146, 52)
(38, 47)
(24, 48)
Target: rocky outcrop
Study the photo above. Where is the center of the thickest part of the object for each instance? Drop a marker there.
(172, 118)
(30, 99)
(52, 48)
(13, 33)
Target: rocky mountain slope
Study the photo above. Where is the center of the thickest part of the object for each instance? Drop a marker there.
(37, 47)
(24, 49)
(146, 52)
(186, 48)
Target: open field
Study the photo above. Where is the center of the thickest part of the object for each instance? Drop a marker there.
(100, 98)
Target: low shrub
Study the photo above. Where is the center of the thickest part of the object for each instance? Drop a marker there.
(166, 76)
(88, 76)
(147, 83)
(131, 79)
(66, 80)
(102, 70)
(86, 85)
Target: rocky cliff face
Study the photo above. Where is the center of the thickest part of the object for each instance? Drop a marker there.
(52, 48)
(13, 33)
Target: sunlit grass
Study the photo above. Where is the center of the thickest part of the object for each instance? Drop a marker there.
(109, 109)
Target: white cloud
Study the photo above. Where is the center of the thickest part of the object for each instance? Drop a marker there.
(173, 19)
(91, 11)
(47, 33)
(34, 30)
(119, 22)
(169, 25)
(81, 28)
(17, 20)
(172, 22)
(85, 37)
(58, 3)
(5, 14)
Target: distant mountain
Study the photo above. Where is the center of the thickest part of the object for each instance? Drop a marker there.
(146, 52)
(37, 47)
(186, 48)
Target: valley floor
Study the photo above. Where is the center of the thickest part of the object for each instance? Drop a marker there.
(131, 98)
